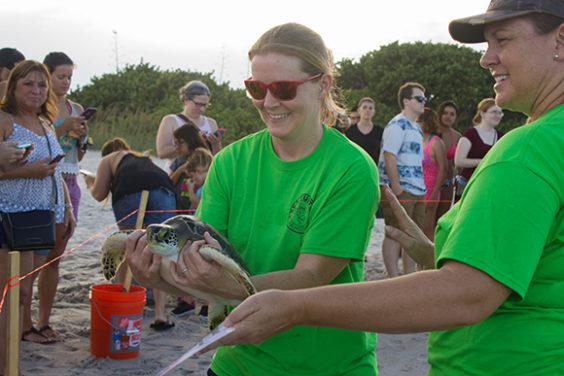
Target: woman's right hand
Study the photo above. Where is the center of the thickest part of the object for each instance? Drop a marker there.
(410, 236)
(260, 317)
(143, 263)
(75, 124)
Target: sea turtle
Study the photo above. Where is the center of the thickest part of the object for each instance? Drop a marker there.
(167, 239)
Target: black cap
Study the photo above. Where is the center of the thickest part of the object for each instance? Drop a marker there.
(10, 57)
(471, 29)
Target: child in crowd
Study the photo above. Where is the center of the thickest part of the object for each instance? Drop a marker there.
(188, 140)
(198, 166)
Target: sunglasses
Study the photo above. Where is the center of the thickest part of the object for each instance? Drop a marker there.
(281, 90)
(418, 98)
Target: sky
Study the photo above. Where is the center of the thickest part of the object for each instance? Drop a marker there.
(212, 35)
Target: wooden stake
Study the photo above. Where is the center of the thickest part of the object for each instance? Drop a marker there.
(138, 225)
(13, 344)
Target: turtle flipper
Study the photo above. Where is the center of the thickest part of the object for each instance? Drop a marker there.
(217, 312)
(113, 253)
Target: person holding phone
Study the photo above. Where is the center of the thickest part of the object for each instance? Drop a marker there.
(67, 120)
(125, 173)
(70, 125)
(195, 97)
(296, 220)
(26, 113)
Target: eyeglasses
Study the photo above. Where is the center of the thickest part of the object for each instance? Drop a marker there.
(418, 98)
(201, 105)
(281, 90)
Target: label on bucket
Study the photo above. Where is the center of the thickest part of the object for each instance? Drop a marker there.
(126, 333)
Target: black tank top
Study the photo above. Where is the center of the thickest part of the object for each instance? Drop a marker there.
(135, 174)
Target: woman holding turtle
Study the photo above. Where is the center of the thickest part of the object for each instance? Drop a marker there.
(296, 220)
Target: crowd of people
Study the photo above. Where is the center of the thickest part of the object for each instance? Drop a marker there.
(478, 285)
(44, 137)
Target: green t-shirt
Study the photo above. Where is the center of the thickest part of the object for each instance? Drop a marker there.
(510, 224)
(272, 211)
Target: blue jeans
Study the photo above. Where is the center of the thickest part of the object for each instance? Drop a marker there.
(159, 199)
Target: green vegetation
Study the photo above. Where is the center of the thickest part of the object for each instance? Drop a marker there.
(447, 71)
(132, 102)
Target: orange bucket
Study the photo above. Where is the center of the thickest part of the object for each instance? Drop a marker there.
(116, 318)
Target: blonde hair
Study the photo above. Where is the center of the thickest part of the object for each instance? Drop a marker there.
(293, 39)
(365, 99)
(483, 106)
(202, 158)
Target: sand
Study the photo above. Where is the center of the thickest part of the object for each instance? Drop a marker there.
(403, 355)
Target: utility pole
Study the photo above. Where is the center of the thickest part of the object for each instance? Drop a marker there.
(222, 64)
(116, 52)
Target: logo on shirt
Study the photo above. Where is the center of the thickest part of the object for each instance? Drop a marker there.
(299, 213)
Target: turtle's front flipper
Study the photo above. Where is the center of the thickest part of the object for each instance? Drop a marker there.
(113, 253)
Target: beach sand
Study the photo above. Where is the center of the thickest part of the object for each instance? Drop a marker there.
(80, 269)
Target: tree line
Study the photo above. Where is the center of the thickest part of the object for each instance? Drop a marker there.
(132, 101)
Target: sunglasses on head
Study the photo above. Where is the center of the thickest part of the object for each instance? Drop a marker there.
(281, 90)
(418, 98)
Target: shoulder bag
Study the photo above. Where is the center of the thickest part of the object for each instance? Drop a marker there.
(31, 230)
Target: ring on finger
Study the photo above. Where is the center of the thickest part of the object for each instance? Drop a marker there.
(184, 271)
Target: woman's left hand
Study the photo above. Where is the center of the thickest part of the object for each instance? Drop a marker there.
(193, 271)
(215, 141)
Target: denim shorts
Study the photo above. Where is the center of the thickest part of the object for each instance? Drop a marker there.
(159, 199)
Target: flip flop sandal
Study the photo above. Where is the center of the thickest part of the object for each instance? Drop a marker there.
(49, 333)
(160, 326)
(42, 340)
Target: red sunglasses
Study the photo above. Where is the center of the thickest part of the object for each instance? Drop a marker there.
(281, 90)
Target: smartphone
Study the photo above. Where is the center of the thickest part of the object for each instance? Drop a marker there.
(219, 131)
(87, 173)
(88, 112)
(24, 146)
(57, 158)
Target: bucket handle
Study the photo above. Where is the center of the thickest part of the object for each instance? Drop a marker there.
(125, 332)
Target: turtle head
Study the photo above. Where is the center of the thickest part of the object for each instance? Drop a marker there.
(163, 239)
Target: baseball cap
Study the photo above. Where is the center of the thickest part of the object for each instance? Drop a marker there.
(471, 29)
(10, 57)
